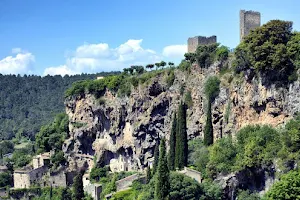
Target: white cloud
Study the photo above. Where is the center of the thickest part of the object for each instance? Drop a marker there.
(175, 51)
(60, 70)
(91, 58)
(21, 63)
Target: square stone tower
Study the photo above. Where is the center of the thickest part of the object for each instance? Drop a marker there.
(249, 20)
(194, 42)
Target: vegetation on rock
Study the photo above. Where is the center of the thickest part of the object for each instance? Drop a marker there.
(270, 51)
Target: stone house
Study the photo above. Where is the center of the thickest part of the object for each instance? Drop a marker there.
(26, 177)
(39, 174)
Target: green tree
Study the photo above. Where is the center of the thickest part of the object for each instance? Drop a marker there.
(157, 65)
(171, 64)
(184, 188)
(148, 175)
(222, 53)
(97, 173)
(265, 50)
(181, 149)
(191, 57)
(156, 156)
(287, 188)
(162, 185)
(208, 128)
(5, 179)
(172, 152)
(293, 47)
(78, 192)
(211, 90)
(163, 64)
(205, 54)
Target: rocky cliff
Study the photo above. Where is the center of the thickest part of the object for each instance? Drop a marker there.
(126, 129)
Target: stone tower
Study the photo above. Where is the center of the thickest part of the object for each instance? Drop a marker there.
(249, 20)
(194, 42)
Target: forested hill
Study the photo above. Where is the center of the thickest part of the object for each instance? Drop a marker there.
(27, 102)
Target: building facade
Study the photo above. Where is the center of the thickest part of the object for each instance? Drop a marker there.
(194, 42)
(249, 20)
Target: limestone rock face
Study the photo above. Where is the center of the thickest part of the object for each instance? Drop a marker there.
(127, 128)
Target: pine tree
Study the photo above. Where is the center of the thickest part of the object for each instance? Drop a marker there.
(156, 157)
(148, 175)
(162, 184)
(181, 149)
(208, 129)
(172, 144)
(78, 187)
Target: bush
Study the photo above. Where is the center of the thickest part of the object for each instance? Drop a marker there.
(257, 146)
(97, 173)
(288, 187)
(222, 53)
(247, 195)
(212, 87)
(5, 179)
(185, 66)
(267, 51)
(198, 155)
(188, 99)
(205, 54)
(170, 78)
(221, 157)
(58, 159)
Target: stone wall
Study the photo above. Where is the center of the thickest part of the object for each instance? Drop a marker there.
(25, 178)
(194, 42)
(58, 179)
(3, 193)
(125, 183)
(192, 173)
(249, 20)
(94, 190)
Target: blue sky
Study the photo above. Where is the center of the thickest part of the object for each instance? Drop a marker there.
(72, 36)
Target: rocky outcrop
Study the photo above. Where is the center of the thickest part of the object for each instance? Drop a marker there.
(253, 179)
(128, 128)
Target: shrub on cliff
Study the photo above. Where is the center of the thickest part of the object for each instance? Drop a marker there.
(211, 90)
(287, 188)
(269, 50)
(52, 135)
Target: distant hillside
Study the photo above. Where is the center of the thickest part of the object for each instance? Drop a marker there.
(28, 102)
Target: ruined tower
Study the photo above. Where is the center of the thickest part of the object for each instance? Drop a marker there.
(194, 42)
(249, 20)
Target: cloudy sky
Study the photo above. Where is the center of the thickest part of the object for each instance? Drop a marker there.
(72, 36)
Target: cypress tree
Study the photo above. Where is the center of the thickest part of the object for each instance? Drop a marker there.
(78, 187)
(51, 192)
(208, 129)
(181, 149)
(156, 157)
(162, 184)
(172, 144)
(148, 175)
